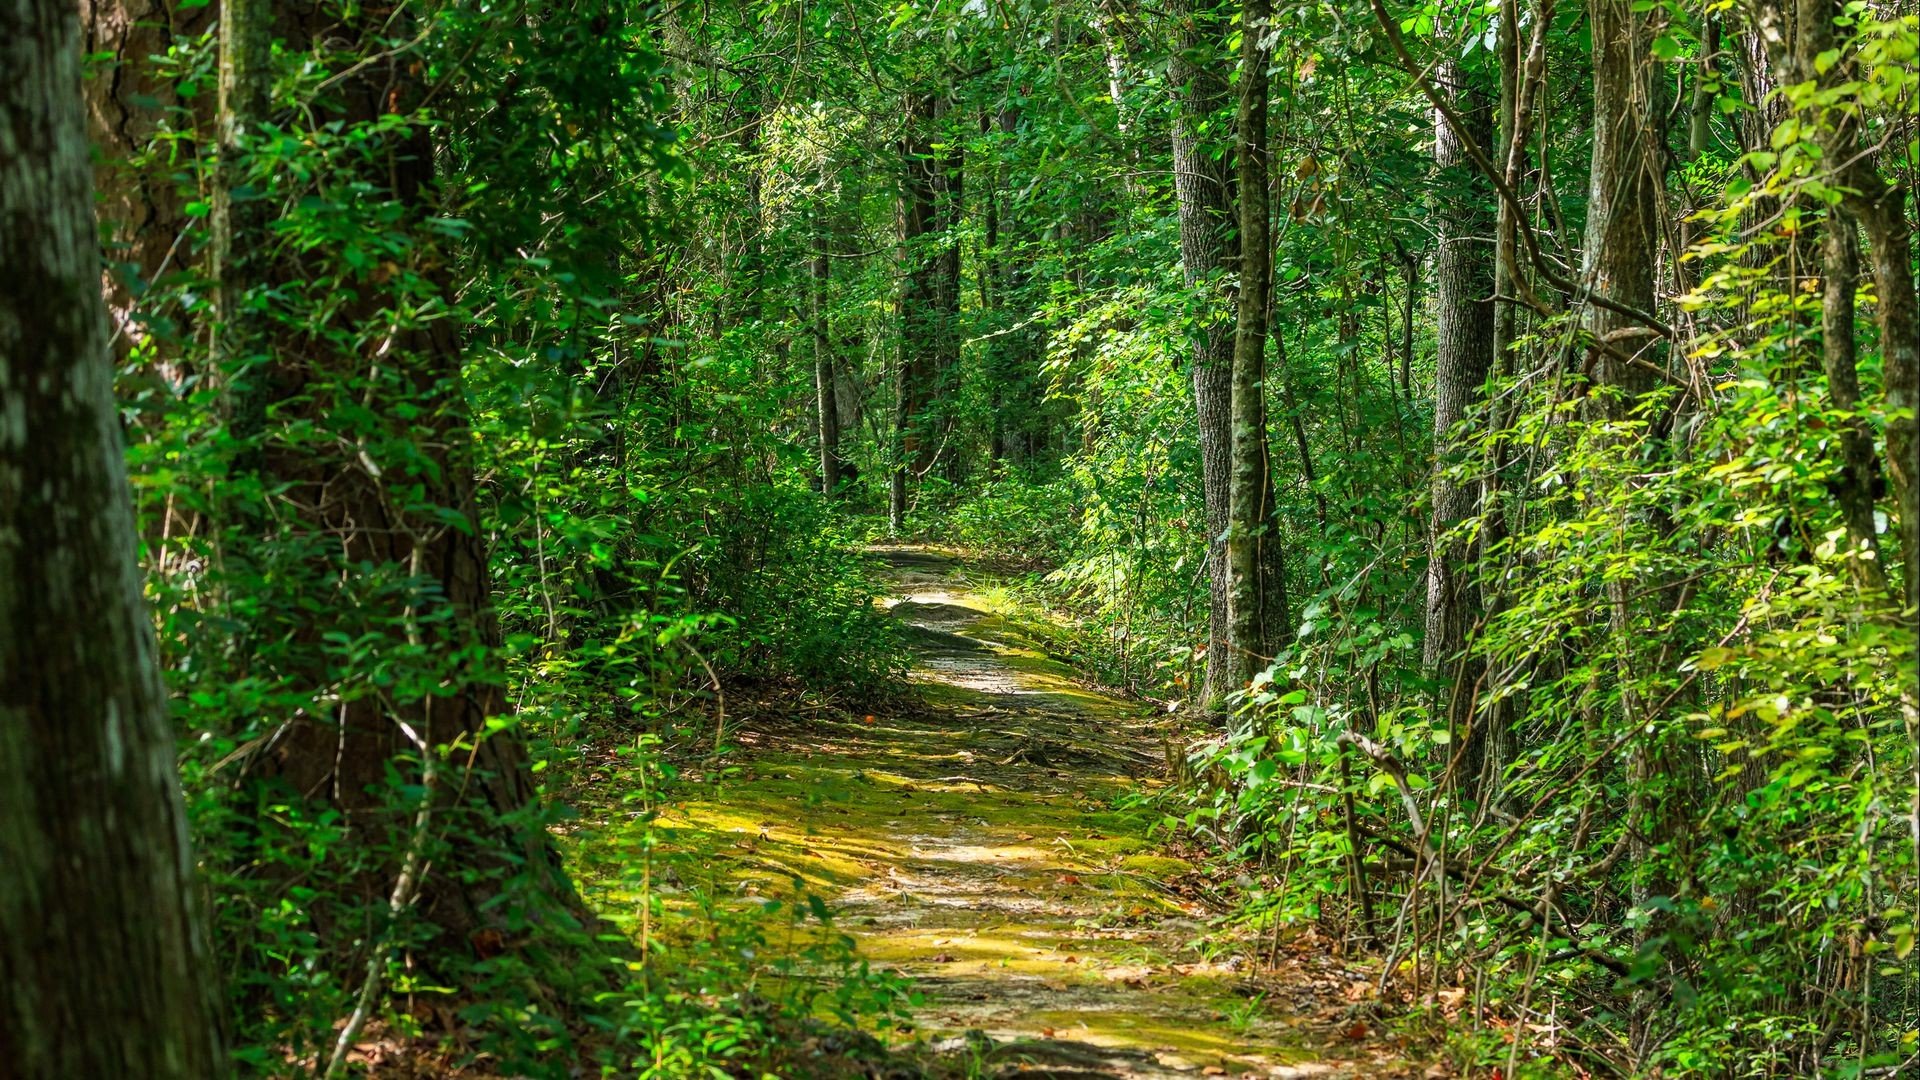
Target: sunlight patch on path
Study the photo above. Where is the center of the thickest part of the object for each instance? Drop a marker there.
(975, 844)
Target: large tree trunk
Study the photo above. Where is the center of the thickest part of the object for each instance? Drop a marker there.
(1622, 244)
(143, 211)
(1256, 595)
(1202, 184)
(104, 970)
(1463, 298)
(383, 498)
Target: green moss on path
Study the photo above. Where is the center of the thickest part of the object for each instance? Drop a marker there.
(977, 844)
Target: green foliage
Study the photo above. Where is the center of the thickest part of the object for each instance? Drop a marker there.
(536, 319)
(634, 554)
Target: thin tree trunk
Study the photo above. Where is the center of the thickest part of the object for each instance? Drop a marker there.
(1463, 289)
(239, 216)
(950, 208)
(1202, 182)
(1700, 108)
(105, 969)
(1858, 461)
(1256, 594)
(826, 405)
(918, 305)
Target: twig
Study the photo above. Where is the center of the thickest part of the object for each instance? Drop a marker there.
(405, 888)
(720, 697)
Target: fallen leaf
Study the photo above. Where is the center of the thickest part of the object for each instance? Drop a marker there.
(1357, 1031)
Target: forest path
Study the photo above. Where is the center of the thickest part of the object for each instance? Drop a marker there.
(977, 842)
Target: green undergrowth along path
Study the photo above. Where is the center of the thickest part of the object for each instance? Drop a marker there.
(969, 875)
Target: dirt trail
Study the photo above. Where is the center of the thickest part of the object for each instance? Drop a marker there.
(974, 844)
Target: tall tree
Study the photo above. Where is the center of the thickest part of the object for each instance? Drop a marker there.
(1463, 301)
(1256, 595)
(826, 403)
(385, 502)
(1622, 246)
(1802, 45)
(929, 304)
(239, 214)
(101, 952)
(1203, 193)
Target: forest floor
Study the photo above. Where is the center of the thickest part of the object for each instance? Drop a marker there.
(985, 841)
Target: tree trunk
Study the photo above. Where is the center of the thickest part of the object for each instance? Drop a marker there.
(826, 405)
(1623, 191)
(142, 211)
(1794, 41)
(1256, 595)
(918, 305)
(240, 214)
(1858, 464)
(101, 952)
(387, 501)
(950, 207)
(1622, 242)
(1463, 298)
(1202, 183)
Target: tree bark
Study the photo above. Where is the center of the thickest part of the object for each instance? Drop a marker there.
(950, 208)
(1840, 250)
(1463, 299)
(1622, 241)
(391, 507)
(101, 952)
(142, 211)
(240, 214)
(1203, 192)
(1623, 192)
(1256, 595)
(918, 304)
